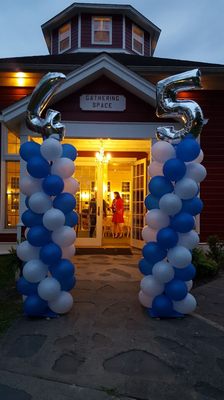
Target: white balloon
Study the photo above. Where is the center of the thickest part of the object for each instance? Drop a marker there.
(190, 240)
(64, 167)
(189, 285)
(68, 252)
(26, 232)
(157, 219)
(53, 219)
(151, 287)
(26, 252)
(49, 289)
(170, 204)
(186, 188)
(145, 300)
(35, 270)
(163, 151)
(62, 304)
(199, 158)
(71, 185)
(179, 257)
(196, 171)
(51, 149)
(64, 236)
(148, 234)
(185, 306)
(163, 272)
(29, 185)
(40, 202)
(155, 169)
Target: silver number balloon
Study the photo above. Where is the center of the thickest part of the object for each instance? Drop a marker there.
(187, 111)
(41, 96)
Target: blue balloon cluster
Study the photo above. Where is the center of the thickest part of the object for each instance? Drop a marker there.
(168, 283)
(40, 233)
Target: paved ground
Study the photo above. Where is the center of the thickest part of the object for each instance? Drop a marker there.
(108, 348)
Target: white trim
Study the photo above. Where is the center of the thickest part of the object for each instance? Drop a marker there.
(79, 30)
(100, 50)
(92, 30)
(123, 32)
(140, 40)
(69, 38)
(101, 65)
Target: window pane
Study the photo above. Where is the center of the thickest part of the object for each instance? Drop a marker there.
(102, 36)
(64, 29)
(64, 44)
(138, 46)
(13, 144)
(12, 193)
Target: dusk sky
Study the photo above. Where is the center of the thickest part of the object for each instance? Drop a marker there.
(191, 29)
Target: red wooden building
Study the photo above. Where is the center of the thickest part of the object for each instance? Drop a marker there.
(108, 106)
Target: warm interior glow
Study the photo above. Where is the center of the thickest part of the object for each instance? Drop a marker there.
(20, 77)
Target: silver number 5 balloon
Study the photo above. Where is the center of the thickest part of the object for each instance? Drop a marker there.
(187, 111)
(42, 94)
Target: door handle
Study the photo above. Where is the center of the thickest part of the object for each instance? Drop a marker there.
(98, 211)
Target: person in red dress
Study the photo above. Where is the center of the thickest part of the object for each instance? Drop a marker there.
(118, 215)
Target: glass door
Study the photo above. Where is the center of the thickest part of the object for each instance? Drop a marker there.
(139, 182)
(89, 203)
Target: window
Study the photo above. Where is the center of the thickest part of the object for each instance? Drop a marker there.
(12, 194)
(125, 193)
(102, 30)
(13, 144)
(64, 38)
(137, 40)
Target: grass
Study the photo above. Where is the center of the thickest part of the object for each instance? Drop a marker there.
(10, 300)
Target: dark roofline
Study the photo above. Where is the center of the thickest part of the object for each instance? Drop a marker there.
(70, 61)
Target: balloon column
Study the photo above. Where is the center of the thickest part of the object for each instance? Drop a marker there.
(173, 204)
(48, 275)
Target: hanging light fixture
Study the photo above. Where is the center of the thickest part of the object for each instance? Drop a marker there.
(101, 157)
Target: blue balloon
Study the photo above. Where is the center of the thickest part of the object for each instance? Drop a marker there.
(176, 289)
(38, 236)
(185, 274)
(65, 202)
(53, 185)
(182, 222)
(151, 202)
(188, 149)
(68, 283)
(193, 206)
(71, 219)
(29, 218)
(153, 252)
(159, 185)
(167, 238)
(26, 288)
(50, 253)
(62, 270)
(69, 151)
(34, 306)
(38, 167)
(174, 169)
(162, 306)
(145, 267)
(29, 150)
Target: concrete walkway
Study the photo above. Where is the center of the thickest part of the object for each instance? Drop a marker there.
(108, 348)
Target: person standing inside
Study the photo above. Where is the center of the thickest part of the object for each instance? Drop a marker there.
(118, 215)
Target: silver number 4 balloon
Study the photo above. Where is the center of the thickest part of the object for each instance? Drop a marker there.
(41, 96)
(187, 111)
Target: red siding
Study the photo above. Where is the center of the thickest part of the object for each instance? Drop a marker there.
(54, 47)
(117, 21)
(136, 109)
(10, 95)
(147, 44)
(7, 237)
(74, 33)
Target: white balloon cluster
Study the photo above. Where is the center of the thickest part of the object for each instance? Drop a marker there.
(169, 232)
(48, 275)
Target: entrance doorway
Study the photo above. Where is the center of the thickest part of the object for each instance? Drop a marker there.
(121, 165)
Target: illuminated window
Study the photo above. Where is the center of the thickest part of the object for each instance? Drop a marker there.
(137, 40)
(13, 144)
(125, 193)
(64, 38)
(12, 194)
(102, 30)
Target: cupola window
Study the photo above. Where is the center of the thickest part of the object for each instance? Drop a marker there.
(137, 40)
(101, 30)
(64, 38)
